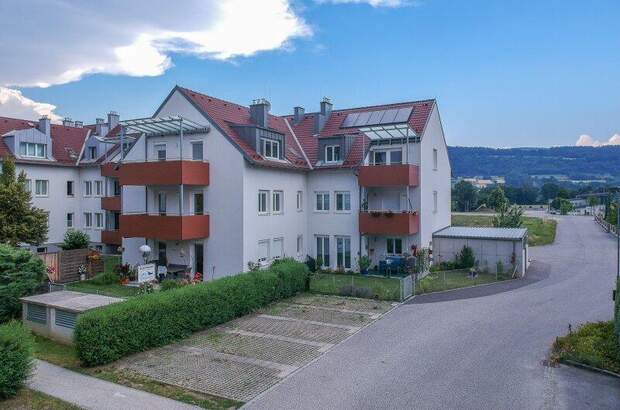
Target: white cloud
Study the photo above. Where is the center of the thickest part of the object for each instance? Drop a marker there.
(55, 42)
(374, 3)
(14, 104)
(585, 140)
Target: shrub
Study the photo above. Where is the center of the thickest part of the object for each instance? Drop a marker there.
(16, 363)
(465, 258)
(107, 278)
(106, 334)
(75, 240)
(21, 273)
(168, 284)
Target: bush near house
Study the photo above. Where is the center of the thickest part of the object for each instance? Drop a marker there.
(21, 273)
(16, 347)
(106, 334)
(75, 240)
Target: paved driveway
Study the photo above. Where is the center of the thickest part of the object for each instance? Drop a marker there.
(474, 350)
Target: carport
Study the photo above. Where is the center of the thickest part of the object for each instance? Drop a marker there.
(490, 246)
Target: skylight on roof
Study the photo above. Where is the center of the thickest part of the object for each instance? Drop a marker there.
(379, 117)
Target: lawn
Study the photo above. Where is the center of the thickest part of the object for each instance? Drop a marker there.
(454, 279)
(66, 356)
(593, 344)
(28, 399)
(114, 289)
(540, 231)
(110, 262)
(332, 283)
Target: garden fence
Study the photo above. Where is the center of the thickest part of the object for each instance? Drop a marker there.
(365, 286)
(453, 279)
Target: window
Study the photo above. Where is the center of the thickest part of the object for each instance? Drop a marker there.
(197, 151)
(387, 157)
(332, 153)
(160, 152)
(29, 185)
(277, 202)
(300, 244)
(322, 201)
(396, 157)
(70, 220)
(379, 157)
(435, 159)
(263, 201)
(88, 188)
(343, 201)
(92, 152)
(161, 203)
(31, 149)
(199, 203)
(343, 252)
(88, 220)
(98, 188)
(69, 188)
(41, 187)
(434, 201)
(161, 253)
(99, 220)
(271, 148)
(322, 249)
(117, 188)
(394, 246)
(300, 201)
(263, 250)
(278, 248)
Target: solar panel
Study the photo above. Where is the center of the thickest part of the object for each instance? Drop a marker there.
(350, 120)
(403, 114)
(375, 117)
(361, 119)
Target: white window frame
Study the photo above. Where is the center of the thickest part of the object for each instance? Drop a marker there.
(272, 144)
(343, 240)
(322, 245)
(266, 194)
(300, 245)
(98, 188)
(202, 154)
(157, 149)
(330, 153)
(393, 240)
(92, 152)
(278, 242)
(72, 189)
(70, 220)
(323, 195)
(88, 188)
(300, 201)
(265, 258)
(99, 220)
(162, 211)
(29, 185)
(344, 195)
(388, 156)
(435, 201)
(35, 146)
(435, 159)
(88, 220)
(43, 183)
(280, 202)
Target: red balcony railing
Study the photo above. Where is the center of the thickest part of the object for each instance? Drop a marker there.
(388, 175)
(167, 227)
(388, 223)
(110, 170)
(111, 203)
(165, 173)
(112, 237)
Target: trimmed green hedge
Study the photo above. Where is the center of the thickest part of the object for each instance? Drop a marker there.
(16, 347)
(106, 334)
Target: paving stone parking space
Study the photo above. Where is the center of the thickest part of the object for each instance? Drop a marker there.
(242, 358)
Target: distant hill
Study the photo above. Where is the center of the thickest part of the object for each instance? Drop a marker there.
(519, 164)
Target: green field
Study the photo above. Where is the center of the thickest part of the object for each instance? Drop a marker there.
(540, 231)
(332, 283)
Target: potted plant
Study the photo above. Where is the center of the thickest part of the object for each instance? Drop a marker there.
(82, 272)
(364, 262)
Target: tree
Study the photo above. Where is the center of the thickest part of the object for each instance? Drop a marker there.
(21, 273)
(592, 202)
(549, 190)
(20, 221)
(509, 216)
(75, 240)
(497, 199)
(464, 195)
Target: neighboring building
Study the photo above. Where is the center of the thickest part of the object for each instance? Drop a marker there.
(480, 182)
(212, 186)
(61, 162)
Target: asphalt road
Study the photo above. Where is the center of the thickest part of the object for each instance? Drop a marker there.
(474, 350)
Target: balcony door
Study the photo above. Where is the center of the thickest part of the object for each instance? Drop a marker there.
(199, 257)
(161, 203)
(199, 205)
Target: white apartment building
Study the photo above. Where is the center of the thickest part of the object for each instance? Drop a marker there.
(211, 185)
(63, 165)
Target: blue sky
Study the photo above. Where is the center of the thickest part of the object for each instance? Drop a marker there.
(505, 73)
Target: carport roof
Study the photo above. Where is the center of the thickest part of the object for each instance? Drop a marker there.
(475, 232)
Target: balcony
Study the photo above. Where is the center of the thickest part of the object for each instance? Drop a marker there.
(111, 237)
(168, 227)
(388, 175)
(388, 223)
(111, 203)
(109, 170)
(176, 172)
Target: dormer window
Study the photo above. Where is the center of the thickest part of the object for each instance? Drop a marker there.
(92, 152)
(271, 148)
(332, 153)
(33, 150)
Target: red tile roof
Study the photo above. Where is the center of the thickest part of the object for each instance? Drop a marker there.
(65, 140)
(225, 114)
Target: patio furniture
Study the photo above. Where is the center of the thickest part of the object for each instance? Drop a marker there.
(392, 264)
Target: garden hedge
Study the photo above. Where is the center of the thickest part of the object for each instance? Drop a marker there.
(16, 362)
(106, 334)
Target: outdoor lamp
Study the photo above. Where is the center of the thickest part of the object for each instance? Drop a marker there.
(146, 251)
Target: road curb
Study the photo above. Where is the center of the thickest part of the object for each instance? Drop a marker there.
(590, 368)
